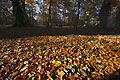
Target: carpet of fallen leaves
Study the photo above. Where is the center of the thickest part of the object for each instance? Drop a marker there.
(70, 57)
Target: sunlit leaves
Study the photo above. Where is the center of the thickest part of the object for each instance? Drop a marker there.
(46, 1)
(31, 3)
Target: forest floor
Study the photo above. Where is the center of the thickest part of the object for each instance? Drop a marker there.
(54, 53)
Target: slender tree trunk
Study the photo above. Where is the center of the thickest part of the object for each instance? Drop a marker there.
(77, 19)
(21, 17)
(64, 12)
(73, 17)
(49, 18)
(78, 12)
(104, 13)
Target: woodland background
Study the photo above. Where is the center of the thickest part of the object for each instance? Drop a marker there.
(77, 13)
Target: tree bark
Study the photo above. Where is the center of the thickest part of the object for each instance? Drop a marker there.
(104, 13)
(78, 13)
(117, 25)
(19, 11)
(49, 17)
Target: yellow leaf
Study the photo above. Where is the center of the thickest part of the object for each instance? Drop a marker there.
(53, 61)
(26, 71)
(75, 63)
(56, 63)
(60, 73)
(75, 75)
(14, 74)
(48, 74)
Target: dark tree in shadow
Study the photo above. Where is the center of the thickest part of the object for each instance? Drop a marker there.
(78, 13)
(19, 11)
(104, 13)
(49, 17)
(118, 18)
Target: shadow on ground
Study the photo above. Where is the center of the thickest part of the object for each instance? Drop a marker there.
(114, 76)
(18, 32)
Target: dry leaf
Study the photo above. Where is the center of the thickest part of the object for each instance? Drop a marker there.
(48, 74)
(14, 74)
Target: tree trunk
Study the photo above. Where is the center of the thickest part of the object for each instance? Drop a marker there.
(19, 11)
(49, 18)
(64, 12)
(77, 20)
(104, 13)
(78, 12)
(117, 24)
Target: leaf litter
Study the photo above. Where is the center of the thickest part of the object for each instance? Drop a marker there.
(60, 57)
